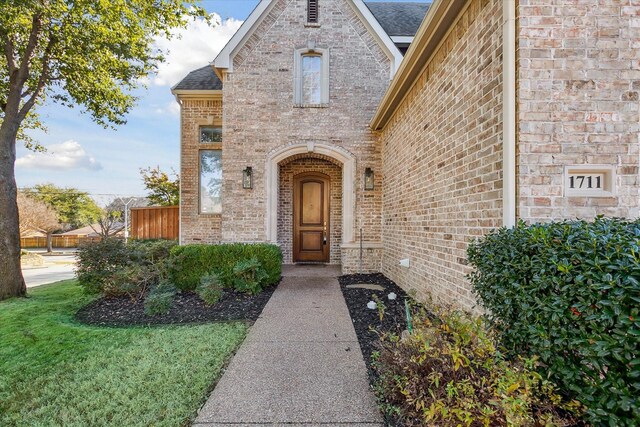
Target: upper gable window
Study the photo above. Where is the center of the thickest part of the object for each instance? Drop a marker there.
(312, 11)
(312, 78)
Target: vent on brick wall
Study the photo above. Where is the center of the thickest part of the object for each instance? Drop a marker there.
(312, 11)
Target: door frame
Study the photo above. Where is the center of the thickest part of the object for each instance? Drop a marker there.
(326, 182)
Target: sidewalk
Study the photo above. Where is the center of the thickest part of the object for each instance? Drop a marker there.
(300, 364)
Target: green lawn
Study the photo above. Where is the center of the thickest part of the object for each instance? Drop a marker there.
(55, 371)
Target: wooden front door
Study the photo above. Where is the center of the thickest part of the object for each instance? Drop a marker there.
(311, 218)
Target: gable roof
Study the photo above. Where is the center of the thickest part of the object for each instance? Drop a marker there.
(201, 79)
(399, 19)
(224, 60)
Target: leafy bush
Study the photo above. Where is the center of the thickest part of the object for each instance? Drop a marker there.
(97, 261)
(114, 268)
(209, 289)
(160, 299)
(249, 276)
(448, 373)
(191, 262)
(569, 292)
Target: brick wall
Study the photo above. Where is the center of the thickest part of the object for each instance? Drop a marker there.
(194, 227)
(260, 116)
(578, 86)
(442, 160)
(288, 171)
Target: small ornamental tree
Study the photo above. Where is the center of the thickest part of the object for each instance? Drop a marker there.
(163, 189)
(35, 215)
(74, 208)
(81, 52)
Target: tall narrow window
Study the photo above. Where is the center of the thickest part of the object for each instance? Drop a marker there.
(312, 11)
(210, 181)
(311, 79)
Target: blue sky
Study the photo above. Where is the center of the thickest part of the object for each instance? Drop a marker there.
(106, 162)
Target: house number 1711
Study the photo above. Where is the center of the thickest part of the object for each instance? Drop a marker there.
(585, 181)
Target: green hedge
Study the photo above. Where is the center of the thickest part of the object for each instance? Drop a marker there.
(569, 292)
(192, 262)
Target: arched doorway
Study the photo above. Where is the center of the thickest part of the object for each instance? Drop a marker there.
(336, 154)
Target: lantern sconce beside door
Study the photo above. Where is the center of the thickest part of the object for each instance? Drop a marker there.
(247, 178)
(368, 179)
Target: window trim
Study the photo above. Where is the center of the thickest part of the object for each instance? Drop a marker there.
(211, 147)
(324, 78)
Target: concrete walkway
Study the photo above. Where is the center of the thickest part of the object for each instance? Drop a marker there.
(301, 363)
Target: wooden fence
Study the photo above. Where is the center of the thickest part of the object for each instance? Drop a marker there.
(161, 222)
(56, 241)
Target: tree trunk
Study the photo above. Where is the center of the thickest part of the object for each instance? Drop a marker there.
(11, 280)
(49, 242)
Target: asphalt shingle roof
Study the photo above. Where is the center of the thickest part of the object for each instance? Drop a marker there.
(201, 79)
(401, 18)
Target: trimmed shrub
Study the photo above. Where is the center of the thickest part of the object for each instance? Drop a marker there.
(97, 261)
(209, 289)
(249, 276)
(114, 268)
(160, 299)
(191, 262)
(569, 293)
(449, 373)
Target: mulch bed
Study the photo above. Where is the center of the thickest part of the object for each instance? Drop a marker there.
(366, 321)
(187, 308)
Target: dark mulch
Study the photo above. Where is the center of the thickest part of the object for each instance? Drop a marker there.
(367, 322)
(187, 308)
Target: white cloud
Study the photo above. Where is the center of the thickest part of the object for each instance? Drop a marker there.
(192, 47)
(66, 156)
(172, 109)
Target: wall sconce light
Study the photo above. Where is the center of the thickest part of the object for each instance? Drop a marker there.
(368, 179)
(247, 178)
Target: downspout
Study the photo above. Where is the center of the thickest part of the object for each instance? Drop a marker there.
(180, 189)
(509, 112)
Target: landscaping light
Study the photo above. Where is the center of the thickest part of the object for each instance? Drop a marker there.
(368, 179)
(372, 305)
(247, 178)
(392, 296)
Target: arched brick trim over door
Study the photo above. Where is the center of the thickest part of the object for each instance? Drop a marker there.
(341, 155)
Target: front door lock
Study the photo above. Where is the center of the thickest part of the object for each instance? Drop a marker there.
(324, 234)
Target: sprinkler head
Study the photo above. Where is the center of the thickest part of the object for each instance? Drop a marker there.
(372, 305)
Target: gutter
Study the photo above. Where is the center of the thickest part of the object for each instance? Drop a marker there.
(196, 94)
(509, 120)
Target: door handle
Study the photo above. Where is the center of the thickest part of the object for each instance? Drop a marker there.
(324, 234)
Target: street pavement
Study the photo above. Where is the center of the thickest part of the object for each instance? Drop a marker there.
(55, 269)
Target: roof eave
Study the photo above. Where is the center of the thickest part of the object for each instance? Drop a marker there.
(224, 59)
(441, 15)
(197, 93)
(223, 63)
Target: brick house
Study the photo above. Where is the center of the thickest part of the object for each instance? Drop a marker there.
(366, 134)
